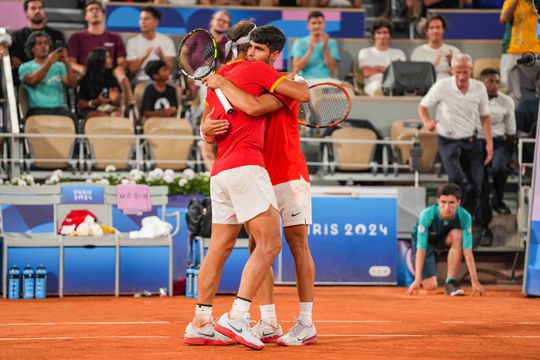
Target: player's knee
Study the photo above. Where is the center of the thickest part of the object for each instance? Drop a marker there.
(430, 285)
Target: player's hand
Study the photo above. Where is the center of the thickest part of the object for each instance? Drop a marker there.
(171, 111)
(489, 153)
(431, 125)
(214, 81)
(478, 289)
(114, 94)
(311, 44)
(413, 289)
(54, 56)
(211, 127)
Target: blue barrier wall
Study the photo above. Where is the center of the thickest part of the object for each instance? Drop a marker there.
(471, 24)
(532, 258)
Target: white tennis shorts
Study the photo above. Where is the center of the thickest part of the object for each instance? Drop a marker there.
(294, 202)
(240, 194)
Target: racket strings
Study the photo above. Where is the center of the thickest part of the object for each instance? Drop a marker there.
(328, 105)
(197, 55)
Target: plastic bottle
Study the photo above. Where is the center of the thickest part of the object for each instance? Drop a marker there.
(28, 282)
(189, 282)
(195, 279)
(14, 282)
(41, 282)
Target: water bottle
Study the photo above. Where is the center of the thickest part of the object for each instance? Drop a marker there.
(195, 279)
(14, 282)
(41, 282)
(189, 282)
(28, 282)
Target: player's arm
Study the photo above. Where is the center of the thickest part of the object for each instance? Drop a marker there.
(245, 102)
(424, 222)
(297, 90)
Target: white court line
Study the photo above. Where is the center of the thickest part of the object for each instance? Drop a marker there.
(130, 337)
(353, 321)
(432, 335)
(89, 323)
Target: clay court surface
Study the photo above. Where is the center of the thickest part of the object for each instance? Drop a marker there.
(352, 322)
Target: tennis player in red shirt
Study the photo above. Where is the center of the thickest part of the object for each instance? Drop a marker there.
(241, 193)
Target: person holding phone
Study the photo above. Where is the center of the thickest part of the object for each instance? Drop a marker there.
(44, 77)
(99, 91)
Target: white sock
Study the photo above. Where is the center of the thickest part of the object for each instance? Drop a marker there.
(203, 313)
(239, 308)
(306, 308)
(268, 314)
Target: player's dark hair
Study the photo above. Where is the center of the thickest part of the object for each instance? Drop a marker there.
(153, 11)
(270, 36)
(489, 71)
(31, 42)
(241, 29)
(90, 2)
(435, 17)
(382, 23)
(27, 2)
(449, 189)
(315, 14)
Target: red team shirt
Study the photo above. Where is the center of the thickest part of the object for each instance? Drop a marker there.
(243, 144)
(283, 156)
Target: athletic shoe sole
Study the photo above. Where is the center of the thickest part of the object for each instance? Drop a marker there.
(237, 338)
(310, 341)
(459, 292)
(208, 342)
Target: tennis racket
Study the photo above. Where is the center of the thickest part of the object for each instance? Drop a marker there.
(197, 58)
(330, 104)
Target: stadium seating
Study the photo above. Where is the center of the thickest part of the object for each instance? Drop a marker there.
(404, 130)
(484, 63)
(50, 148)
(349, 156)
(170, 153)
(107, 151)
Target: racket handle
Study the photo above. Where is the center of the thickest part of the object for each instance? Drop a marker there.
(224, 102)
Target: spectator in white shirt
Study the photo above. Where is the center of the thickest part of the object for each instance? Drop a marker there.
(374, 60)
(461, 102)
(436, 51)
(149, 45)
(501, 108)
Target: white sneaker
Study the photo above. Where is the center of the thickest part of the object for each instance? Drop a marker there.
(299, 334)
(266, 332)
(205, 336)
(238, 330)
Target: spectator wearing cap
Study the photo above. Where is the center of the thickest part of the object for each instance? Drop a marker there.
(435, 50)
(463, 106)
(374, 60)
(45, 77)
(149, 45)
(159, 99)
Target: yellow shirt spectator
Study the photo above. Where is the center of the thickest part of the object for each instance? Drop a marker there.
(524, 22)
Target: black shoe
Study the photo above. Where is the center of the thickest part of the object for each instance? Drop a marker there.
(452, 289)
(486, 238)
(501, 208)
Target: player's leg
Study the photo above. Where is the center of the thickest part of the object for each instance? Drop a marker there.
(255, 205)
(455, 251)
(267, 328)
(304, 331)
(225, 229)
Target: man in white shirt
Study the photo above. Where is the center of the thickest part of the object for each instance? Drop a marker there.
(149, 45)
(374, 60)
(501, 109)
(435, 51)
(461, 102)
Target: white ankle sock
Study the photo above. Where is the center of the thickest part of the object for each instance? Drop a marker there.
(239, 308)
(203, 313)
(268, 314)
(306, 308)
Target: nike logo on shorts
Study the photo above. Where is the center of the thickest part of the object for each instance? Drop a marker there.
(293, 215)
(235, 329)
